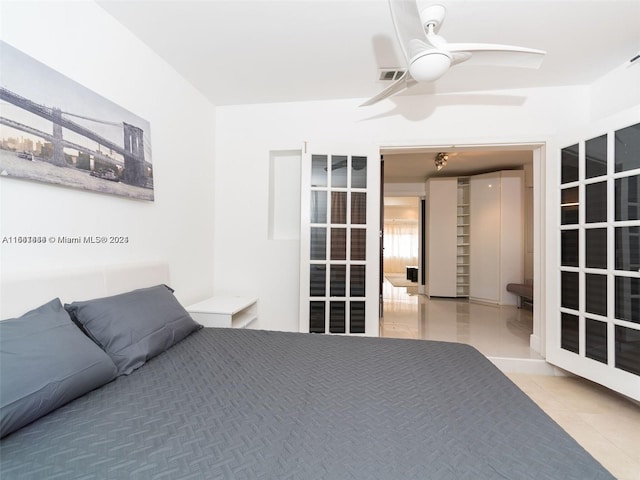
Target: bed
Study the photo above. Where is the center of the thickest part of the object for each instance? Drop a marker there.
(249, 404)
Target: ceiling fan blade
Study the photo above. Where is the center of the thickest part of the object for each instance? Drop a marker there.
(403, 83)
(428, 56)
(496, 55)
(407, 25)
(411, 36)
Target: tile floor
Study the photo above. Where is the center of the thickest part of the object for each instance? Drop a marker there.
(604, 423)
(494, 331)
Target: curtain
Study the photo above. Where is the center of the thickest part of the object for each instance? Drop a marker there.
(400, 245)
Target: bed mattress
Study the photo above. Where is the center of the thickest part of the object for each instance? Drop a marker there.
(246, 404)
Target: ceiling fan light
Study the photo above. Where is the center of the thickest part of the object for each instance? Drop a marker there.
(441, 160)
(429, 65)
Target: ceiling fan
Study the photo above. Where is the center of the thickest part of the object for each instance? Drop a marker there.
(429, 56)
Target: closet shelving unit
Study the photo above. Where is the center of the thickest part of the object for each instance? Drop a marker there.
(463, 238)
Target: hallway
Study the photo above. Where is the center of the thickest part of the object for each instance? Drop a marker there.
(496, 331)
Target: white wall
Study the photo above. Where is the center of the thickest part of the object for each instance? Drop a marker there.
(616, 91)
(83, 42)
(247, 262)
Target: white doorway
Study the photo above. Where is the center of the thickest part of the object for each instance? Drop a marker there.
(406, 170)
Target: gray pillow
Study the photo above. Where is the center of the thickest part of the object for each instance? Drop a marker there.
(136, 326)
(45, 362)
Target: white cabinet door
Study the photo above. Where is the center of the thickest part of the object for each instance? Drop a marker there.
(339, 240)
(485, 238)
(497, 236)
(442, 206)
(512, 246)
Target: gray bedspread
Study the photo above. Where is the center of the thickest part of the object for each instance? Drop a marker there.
(245, 404)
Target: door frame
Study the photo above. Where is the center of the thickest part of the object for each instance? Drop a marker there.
(537, 340)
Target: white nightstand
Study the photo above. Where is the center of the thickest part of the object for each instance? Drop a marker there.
(226, 312)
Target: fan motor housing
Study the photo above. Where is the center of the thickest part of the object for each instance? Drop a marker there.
(429, 65)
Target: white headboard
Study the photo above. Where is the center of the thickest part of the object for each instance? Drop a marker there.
(20, 293)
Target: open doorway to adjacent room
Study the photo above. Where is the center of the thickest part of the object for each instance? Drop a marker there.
(401, 245)
(503, 328)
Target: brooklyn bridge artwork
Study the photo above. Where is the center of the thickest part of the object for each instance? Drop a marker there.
(54, 130)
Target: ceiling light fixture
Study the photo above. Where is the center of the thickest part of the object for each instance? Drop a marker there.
(441, 160)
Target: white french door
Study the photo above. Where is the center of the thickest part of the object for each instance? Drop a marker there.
(593, 315)
(339, 240)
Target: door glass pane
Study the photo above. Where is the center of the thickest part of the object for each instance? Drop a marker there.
(596, 294)
(318, 207)
(596, 247)
(569, 290)
(339, 207)
(628, 299)
(628, 248)
(316, 317)
(569, 248)
(627, 343)
(338, 171)
(358, 244)
(596, 340)
(569, 162)
(337, 247)
(628, 198)
(318, 170)
(596, 156)
(338, 244)
(337, 320)
(357, 281)
(569, 336)
(570, 206)
(359, 172)
(627, 148)
(596, 202)
(338, 280)
(318, 280)
(358, 208)
(356, 317)
(318, 243)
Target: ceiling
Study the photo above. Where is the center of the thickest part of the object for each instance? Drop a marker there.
(417, 164)
(262, 51)
(245, 52)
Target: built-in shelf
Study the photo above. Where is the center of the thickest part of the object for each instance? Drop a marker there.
(463, 238)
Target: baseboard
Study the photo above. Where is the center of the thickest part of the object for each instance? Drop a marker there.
(529, 366)
(534, 343)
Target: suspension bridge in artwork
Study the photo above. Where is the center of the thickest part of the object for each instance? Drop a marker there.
(136, 170)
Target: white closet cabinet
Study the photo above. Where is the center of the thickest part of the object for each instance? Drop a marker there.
(497, 233)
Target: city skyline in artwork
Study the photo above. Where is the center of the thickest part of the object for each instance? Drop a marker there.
(54, 130)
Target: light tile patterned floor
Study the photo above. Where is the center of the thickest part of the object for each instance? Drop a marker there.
(495, 331)
(606, 424)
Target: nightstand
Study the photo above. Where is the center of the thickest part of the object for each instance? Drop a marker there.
(225, 312)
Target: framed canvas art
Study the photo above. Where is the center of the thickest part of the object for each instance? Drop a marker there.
(54, 130)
